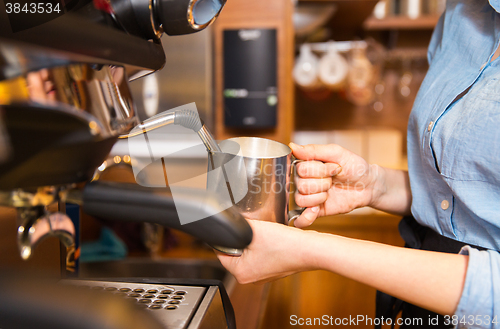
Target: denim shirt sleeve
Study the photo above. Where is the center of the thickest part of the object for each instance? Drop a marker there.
(480, 299)
(495, 4)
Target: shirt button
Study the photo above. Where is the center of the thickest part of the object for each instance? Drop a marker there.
(429, 127)
(445, 204)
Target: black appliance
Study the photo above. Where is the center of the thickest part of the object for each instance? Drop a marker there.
(250, 78)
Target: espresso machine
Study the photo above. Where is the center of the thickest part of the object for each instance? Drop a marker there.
(64, 102)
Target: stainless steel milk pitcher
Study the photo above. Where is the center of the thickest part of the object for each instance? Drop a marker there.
(254, 175)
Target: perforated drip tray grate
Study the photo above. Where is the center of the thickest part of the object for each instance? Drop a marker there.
(173, 305)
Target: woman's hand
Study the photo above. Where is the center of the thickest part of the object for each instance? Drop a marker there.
(332, 181)
(275, 252)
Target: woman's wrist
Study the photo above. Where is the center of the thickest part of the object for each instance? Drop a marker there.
(378, 185)
(391, 190)
(311, 252)
(306, 251)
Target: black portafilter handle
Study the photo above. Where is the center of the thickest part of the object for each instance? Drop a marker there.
(187, 16)
(135, 203)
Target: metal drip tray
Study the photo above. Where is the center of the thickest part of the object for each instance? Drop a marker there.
(174, 306)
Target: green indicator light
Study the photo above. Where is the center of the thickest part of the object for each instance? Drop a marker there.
(272, 100)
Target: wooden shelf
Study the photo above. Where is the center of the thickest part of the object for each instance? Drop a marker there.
(401, 23)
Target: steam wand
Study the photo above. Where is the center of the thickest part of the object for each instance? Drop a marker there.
(186, 118)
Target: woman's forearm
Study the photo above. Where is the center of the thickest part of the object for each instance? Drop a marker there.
(391, 191)
(430, 280)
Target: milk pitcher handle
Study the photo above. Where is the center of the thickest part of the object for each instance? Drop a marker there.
(294, 213)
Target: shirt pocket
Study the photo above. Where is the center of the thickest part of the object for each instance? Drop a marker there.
(466, 142)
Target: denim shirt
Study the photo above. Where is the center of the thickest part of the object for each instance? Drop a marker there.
(454, 149)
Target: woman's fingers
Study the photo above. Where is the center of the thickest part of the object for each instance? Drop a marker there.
(313, 185)
(307, 217)
(325, 153)
(228, 261)
(310, 200)
(317, 169)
